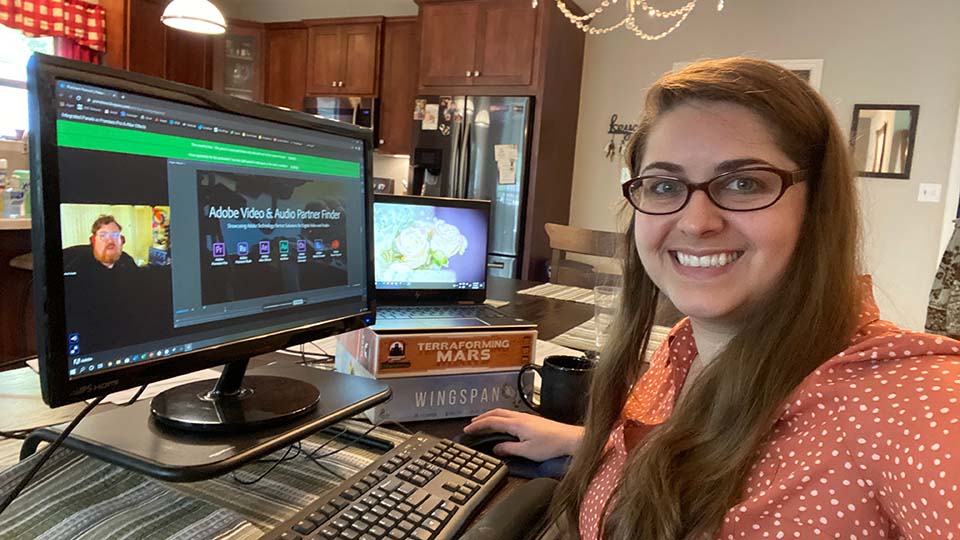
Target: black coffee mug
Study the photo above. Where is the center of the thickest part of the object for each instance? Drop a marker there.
(565, 381)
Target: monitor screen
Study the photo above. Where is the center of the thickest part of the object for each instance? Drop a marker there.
(430, 243)
(178, 232)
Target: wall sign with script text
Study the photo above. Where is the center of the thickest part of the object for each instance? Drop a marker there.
(612, 149)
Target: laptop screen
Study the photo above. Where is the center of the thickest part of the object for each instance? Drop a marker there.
(427, 243)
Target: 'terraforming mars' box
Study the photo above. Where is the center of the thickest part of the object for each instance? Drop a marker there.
(388, 355)
(432, 397)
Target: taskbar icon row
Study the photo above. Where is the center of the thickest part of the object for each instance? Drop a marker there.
(85, 365)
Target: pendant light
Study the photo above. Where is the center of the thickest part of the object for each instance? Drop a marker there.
(198, 16)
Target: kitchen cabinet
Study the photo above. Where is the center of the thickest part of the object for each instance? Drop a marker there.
(138, 41)
(18, 335)
(146, 46)
(238, 60)
(286, 65)
(343, 56)
(505, 48)
(398, 84)
(478, 43)
(188, 58)
(448, 42)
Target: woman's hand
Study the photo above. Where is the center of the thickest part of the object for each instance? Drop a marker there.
(540, 439)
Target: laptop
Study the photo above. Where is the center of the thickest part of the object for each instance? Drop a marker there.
(430, 264)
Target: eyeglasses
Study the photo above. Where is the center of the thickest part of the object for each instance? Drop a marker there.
(743, 190)
(103, 235)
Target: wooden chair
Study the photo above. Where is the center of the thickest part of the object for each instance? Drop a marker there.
(565, 239)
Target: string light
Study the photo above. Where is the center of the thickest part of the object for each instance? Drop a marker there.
(630, 22)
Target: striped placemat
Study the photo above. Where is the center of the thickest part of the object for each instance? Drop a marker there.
(78, 497)
(583, 337)
(561, 292)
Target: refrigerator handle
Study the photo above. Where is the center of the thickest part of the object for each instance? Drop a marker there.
(456, 169)
(464, 175)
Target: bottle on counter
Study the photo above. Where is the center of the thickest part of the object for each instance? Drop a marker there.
(13, 198)
(22, 176)
(3, 181)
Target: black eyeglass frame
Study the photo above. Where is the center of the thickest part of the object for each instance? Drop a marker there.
(788, 178)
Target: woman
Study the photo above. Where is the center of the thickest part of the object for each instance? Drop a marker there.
(781, 407)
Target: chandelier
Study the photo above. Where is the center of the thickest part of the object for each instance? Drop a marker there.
(635, 9)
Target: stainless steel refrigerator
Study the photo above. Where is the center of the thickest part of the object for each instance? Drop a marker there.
(476, 147)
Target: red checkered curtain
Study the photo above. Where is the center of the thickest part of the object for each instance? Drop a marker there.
(75, 20)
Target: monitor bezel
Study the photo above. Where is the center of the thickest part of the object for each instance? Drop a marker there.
(467, 296)
(56, 386)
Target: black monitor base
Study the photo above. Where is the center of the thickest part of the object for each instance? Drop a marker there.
(235, 403)
(132, 437)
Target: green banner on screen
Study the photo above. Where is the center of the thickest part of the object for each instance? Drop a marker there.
(128, 141)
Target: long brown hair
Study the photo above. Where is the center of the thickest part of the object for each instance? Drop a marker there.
(681, 481)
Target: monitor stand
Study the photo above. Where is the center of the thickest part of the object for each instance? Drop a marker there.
(235, 402)
(132, 436)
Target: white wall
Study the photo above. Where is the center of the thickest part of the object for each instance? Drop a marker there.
(15, 154)
(874, 51)
(396, 167)
(295, 10)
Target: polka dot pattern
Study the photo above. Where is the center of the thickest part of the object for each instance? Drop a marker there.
(866, 447)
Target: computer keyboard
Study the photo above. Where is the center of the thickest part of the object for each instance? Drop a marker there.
(424, 489)
(433, 312)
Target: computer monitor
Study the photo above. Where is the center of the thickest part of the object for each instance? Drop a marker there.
(175, 229)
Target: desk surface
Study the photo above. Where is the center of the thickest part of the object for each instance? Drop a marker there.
(14, 224)
(20, 392)
(19, 389)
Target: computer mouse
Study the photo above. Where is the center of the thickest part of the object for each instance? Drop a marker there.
(484, 442)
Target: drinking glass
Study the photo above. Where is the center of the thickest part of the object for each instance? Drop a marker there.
(605, 300)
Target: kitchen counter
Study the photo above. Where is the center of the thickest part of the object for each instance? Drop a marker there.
(14, 224)
(17, 334)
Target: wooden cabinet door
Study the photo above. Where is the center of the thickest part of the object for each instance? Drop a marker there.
(360, 58)
(238, 60)
(398, 85)
(189, 58)
(147, 38)
(505, 49)
(324, 58)
(286, 67)
(448, 39)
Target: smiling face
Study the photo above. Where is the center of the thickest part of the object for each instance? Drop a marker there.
(107, 244)
(715, 264)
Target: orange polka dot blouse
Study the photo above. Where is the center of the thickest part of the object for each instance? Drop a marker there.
(867, 447)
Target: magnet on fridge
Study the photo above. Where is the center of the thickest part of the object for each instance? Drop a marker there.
(431, 114)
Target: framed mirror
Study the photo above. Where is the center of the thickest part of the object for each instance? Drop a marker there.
(882, 138)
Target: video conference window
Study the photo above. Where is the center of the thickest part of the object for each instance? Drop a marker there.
(429, 247)
(114, 239)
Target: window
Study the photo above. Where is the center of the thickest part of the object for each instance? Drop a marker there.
(15, 50)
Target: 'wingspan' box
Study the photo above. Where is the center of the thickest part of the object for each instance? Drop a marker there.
(449, 393)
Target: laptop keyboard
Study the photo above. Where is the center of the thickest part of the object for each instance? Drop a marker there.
(439, 312)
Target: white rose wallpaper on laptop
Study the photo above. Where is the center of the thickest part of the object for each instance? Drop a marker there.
(428, 246)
